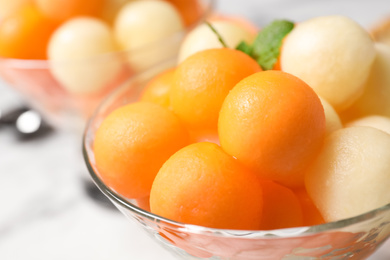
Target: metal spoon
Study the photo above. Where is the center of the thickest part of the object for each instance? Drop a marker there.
(28, 123)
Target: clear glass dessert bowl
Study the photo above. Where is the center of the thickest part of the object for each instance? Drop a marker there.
(38, 83)
(353, 238)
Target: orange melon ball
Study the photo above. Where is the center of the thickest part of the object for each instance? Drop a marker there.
(133, 142)
(190, 10)
(25, 34)
(65, 9)
(311, 215)
(202, 185)
(274, 124)
(143, 203)
(157, 90)
(202, 82)
(281, 207)
(111, 9)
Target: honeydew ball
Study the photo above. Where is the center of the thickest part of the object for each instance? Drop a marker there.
(141, 26)
(333, 54)
(7, 7)
(378, 122)
(203, 38)
(333, 121)
(79, 51)
(375, 99)
(351, 176)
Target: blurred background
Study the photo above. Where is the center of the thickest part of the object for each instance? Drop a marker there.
(50, 209)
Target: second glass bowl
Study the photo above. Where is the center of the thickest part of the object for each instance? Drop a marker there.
(353, 238)
(36, 82)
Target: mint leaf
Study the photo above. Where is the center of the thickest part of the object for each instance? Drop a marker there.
(266, 47)
(245, 47)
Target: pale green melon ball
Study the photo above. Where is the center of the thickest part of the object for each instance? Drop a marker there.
(81, 51)
(351, 175)
(333, 121)
(375, 99)
(333, 54)
(203, 38)
(378, 122)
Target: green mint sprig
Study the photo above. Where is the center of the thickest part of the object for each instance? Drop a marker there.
(266, 47)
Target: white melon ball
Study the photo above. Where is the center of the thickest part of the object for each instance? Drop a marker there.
(7, 7)
(203, 38)
(142, 29)
(79, 51)
(333, 121)
(351, 175)
(333, 54)
(378, 122)
(375, 99)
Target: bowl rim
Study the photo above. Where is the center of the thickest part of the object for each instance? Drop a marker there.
(125, 203)
(207, 6)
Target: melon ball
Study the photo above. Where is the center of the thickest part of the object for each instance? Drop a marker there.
(378, 122)
(381, 31)
(7, 7)
(142, 28)
(76, 50)
(111, 8)
(375, 99)
(333, 54)
(333, 121)
(203, 38)
(352, 174)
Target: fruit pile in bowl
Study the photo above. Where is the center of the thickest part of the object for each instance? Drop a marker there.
(65, 56)
(264, 150)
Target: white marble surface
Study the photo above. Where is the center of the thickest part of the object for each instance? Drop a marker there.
(45, 213)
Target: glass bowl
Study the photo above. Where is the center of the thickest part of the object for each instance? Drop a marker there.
(353, 238)
(37, 83)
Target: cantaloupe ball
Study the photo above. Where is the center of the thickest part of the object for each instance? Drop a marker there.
(203, 38)
(141, 26)
(378, 122)
(333, 121)
(281, 207)
(381, 30)
(311, 215)
(63, 10)
(76, 50)
(376, 97)
(333, 54)
(202, 185)
(352, 174)
(111, 9)
(274, 124)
